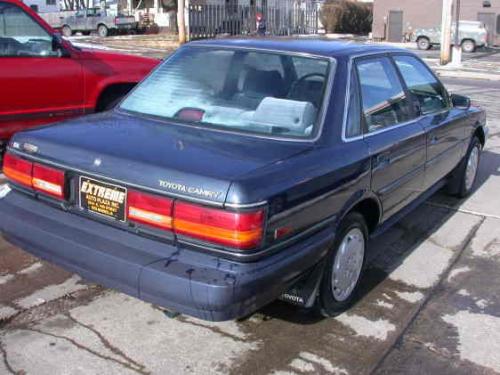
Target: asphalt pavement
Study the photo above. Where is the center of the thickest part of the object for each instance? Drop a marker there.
(429, 304)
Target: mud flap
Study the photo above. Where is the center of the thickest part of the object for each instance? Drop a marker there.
(304, 291)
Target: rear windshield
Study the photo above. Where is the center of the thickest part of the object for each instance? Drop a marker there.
(235, 89)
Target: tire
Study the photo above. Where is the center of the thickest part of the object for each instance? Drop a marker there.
(102, 31)
(468, 46)
(337, 291)
(423, 43)
(66, 31)
(465, 174)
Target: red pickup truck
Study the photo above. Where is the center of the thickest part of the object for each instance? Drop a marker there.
(44, 78)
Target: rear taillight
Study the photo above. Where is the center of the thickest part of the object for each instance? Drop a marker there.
(18, 170)
(150, 210)
(33, 175)
(48, 180)
(241, 230)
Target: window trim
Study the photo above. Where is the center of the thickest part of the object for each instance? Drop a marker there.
(413, 114)
(325, 105)
(49, 33)
(440, 84)
(350, 67)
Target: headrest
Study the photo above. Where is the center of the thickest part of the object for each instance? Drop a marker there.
(263, 83)
(291, 114)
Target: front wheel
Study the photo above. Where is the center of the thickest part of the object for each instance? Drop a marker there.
(102, 31)
(465, 175)
(344, 266)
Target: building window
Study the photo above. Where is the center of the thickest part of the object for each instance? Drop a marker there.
(50, 2)
(34, 7)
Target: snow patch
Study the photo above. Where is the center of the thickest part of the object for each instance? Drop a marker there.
(378, 329)
(382, 303)
(457, 271)
(4, 279)
(6, 312)
(34, 267)
(410, 297)
(323, 362)
(50, 293)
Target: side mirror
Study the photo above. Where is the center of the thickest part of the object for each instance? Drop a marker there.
(58, 45)
(460, 101)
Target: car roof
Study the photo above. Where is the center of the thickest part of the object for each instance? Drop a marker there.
(313, 46)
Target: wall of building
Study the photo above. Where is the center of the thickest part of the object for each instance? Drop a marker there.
(41, 5)
(424, 13)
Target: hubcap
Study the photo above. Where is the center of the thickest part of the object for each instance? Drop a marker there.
(348, 264)
(467, 46)
(471, 169)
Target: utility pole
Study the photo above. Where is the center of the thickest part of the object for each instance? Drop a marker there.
(456, 57)
(446, 32)
(181, 21)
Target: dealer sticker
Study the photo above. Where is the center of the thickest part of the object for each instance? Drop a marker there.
(102, 198)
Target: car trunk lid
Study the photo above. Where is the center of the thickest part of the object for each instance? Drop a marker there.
(181, 161)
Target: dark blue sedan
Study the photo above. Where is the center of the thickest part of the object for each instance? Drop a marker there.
(242, 171)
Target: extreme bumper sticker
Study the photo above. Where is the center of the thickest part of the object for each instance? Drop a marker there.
(103, 198)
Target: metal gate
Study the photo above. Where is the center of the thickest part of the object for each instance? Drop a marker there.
(280, 17)
(395, 26)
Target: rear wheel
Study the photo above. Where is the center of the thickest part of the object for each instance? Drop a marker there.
(464, 177)
(468, 46)
(344, 266)
(102, 31)
(66, 31)
(423, 43)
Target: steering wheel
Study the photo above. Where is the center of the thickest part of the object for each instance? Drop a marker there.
(297, 84)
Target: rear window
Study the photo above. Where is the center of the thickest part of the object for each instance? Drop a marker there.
(238, 90)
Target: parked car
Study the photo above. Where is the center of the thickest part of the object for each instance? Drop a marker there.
(46, 79)
(214, 194)
(97, 19)
(472, 34)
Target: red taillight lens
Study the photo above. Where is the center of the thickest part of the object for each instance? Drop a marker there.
(39, 177)
(17, 170)
(48, 180)
(240, 230)
(150, 209)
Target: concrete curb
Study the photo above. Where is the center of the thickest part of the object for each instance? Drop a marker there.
(446, 72)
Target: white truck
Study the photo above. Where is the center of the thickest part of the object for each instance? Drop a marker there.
(96, 19)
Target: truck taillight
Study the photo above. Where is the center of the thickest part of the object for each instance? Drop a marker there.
(33, 175)
(241, 230)
(150, 210)
(17, 170)
(48, 180)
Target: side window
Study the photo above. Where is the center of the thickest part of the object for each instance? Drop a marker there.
(422, 84)
(384, 101)
(20, 35)
(498, 24)
(353, 124)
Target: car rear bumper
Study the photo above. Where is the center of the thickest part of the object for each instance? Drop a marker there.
(183, 280)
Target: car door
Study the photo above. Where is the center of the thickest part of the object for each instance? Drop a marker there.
(395, 138)
(445, 127)
(39, 85)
